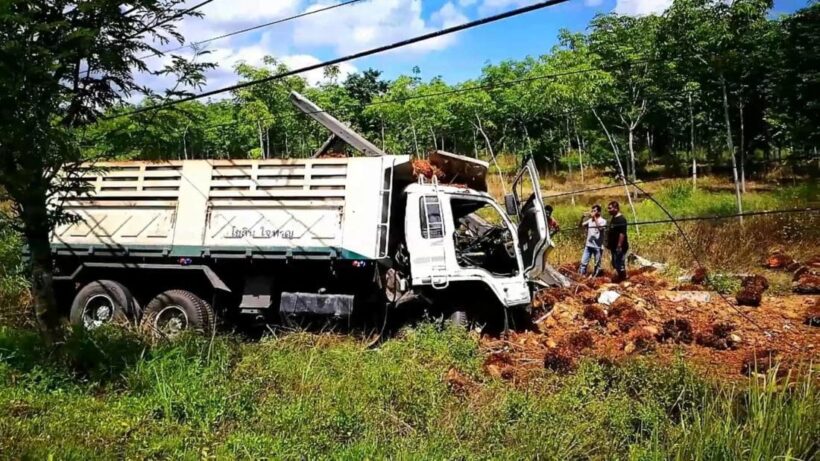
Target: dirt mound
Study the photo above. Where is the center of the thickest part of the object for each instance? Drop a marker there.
(559, 360)
(595, 313)
(721, 337)
(761, 361)
(499, 365)
(777, 260)
(813, 316)
(629, 318)
(645, 280)
(581, 340)
(543, 301)
(807, 284)
(710, 334)
(699, 276)
(620, 305)
(640, 340)
(751, 290)
(678, 331)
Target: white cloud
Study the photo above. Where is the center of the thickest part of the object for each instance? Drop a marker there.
(641, 7)
(493, 6)
(377, 22)
(297, 43)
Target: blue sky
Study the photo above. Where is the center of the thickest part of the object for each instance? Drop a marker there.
(371, 23)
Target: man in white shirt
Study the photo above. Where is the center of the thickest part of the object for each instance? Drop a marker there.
(594, 245)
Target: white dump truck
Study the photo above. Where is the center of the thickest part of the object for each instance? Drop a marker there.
(177, 244)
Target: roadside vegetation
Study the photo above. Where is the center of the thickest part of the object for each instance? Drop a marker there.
(422, 395)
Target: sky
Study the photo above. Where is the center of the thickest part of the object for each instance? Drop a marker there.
(370, 23)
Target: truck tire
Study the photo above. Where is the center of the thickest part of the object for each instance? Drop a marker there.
(174, 311)
(104, 302)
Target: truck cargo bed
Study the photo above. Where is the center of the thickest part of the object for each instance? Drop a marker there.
(270, 209)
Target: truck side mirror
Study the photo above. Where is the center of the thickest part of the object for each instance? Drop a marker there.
(510, 205)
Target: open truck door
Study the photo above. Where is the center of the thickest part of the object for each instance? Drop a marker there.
(533, 231)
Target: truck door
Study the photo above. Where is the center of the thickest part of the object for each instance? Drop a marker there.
(533, 232)
(425, 232)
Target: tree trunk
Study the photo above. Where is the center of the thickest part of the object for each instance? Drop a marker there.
(475, 144)
(382, 121)
(261, 140)
(433, 134)
(621, 169)
(632, 151)
(742, 150)
(692, 145)
(287, 144)
(580, 150)
(34, 216)
(529, 141)
(185, 143)
(415, 137)
(731, 146)
(480, 128)
(267, 143)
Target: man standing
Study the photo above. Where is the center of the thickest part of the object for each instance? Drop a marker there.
(593, 248)
(617, 241)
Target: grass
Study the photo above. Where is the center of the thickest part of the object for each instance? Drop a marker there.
(108, 395)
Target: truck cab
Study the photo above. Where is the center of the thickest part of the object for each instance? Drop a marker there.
(459, 239)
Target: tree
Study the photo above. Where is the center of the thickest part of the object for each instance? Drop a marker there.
(797, 80)
(62, 63)
(625, 45)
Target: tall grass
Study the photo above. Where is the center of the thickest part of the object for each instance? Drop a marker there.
(321, 396)
(723, 243)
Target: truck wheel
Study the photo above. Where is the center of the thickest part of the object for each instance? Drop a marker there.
(173, 311)
(459, 318)
(104, 302)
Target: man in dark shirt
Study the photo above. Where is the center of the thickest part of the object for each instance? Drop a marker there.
(616, 240)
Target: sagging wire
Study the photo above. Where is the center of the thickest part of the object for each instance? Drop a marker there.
(691, 248)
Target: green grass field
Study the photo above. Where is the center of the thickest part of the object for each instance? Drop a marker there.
(302, 396)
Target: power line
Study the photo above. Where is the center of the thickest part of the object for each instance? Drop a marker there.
(361, 54)
(700, 218)
(694, 255)
(592, 189)
(252, 28)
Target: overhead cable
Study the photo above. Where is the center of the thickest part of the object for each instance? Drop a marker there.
(361, 54)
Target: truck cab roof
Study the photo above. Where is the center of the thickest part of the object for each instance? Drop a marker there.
(446, 189)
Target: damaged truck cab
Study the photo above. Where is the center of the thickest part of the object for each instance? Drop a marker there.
(178, 244)
(459, 239)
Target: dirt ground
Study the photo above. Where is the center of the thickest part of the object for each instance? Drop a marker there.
(654, 317)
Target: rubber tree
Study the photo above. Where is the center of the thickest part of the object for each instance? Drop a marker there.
(626, 47)
(62, 64)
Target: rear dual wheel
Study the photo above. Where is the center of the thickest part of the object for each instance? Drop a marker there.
(174, 311)
(104, 302)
